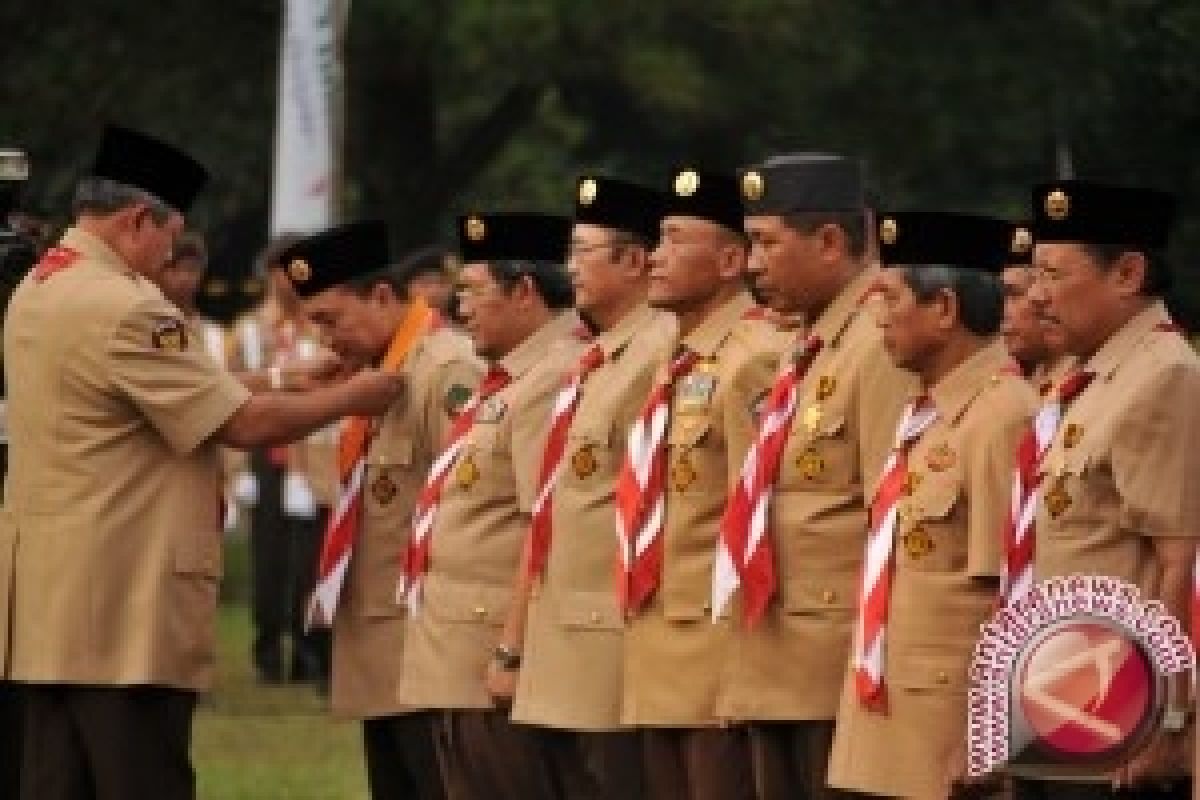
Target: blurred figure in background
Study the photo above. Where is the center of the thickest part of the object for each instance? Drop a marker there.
(429, 273)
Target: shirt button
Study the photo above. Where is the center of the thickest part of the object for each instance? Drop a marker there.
(480, 611)
(942, 678)
(829, 596)
(595, 617)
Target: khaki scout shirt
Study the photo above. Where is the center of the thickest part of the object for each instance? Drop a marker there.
(1124, 468)
(480, 528)
(571, 671)
(674, 654)
(113, 491)
(846, 416)
(368, 629)
(948, 538)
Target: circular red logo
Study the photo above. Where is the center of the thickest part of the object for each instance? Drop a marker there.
(1087, 690)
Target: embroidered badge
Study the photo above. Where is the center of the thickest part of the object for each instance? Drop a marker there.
(169, 334)
(917, 543)
(456, 397)
(696, 391)
(384, 489)
(583, 461)
(467, 472)
(1057, 499)
(811, 464)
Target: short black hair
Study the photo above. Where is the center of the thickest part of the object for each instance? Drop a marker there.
(1158, 272)
(549, 278)
(980, 294)
(428, 260)
(852, 223)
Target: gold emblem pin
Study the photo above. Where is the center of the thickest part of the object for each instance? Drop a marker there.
(1058, 205)
(1022, 241)
(467, 472)
(912, 482)
(686, 183)
(1057, 499)
(889, 230)
(583, 461)
(474, 228)
(812, 418)
(587, 191)
(811, 464)
(917, 543)
(299, 270)
(826, 387)
(1072, 435)
(753, 186)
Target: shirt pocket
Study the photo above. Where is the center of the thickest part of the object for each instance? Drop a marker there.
(820, 595)
(465, 603)
(930, 534)
(1073, 491)
(931, 669)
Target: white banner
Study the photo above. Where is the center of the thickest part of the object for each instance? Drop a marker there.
(305, 173)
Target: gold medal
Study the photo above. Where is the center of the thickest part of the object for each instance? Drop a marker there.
(812, 418)
(1072, 435)
(583, 461)
(825, 387)
(941, 458)
(912, 482)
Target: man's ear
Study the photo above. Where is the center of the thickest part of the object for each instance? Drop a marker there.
(1129, 273)
(946, 309)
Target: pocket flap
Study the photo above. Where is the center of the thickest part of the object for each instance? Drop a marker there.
(930, 669)
(451, 601)
(819, 593)
(931, 500)
(395, 451)
(580, 610)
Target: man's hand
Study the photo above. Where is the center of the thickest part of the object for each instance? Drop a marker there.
(372, 392)
(501, 683)
(324, 369)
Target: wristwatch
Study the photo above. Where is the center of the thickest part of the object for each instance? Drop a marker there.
(1174, 720)
(507, 658)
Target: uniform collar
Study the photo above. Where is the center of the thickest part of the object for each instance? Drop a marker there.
(614, 341)
(538, 344)
(708, 337)
(835, 319)
(1127, 341)
(95, 250)
(1048, 374)
(955, 391)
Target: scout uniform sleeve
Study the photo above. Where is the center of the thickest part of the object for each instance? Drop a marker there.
(747, 391)
(1156, 456)
(456, 381)
(990, 459)
(169, 376)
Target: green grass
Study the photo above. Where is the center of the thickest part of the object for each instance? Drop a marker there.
(268, 743)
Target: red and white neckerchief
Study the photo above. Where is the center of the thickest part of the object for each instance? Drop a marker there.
(541, 525)
(1016, 577)
(745, 555)
(341, 530)
(641, 491)
(415, 559)
(874, 593)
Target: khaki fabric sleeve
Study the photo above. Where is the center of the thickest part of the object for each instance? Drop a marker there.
(166, 373)
(1156, 455)
(454, 381)
(990, 460)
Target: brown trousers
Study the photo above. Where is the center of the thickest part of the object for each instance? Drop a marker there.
(485, 756)
(791, 759)
(697, 763)
(593, 766)
(401, 761)
(12, 724)
(107, 743)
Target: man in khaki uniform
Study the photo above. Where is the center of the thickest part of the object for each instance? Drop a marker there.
(1121, 480)
(361, 307)
(516, 301)
(806, 221)
(1033, 344)
(110, 543)
(937, 510)
(574, 632)
(674, 654)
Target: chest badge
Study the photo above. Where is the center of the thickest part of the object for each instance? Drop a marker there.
(467, 471)
(826, 387)
(912, 482)
(941, 458)
(583, 461)
(812, 418)
(917, 543)
(683, 472)
(384, 489)
(1057, 499)
(811, 464)
(1072, 434)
